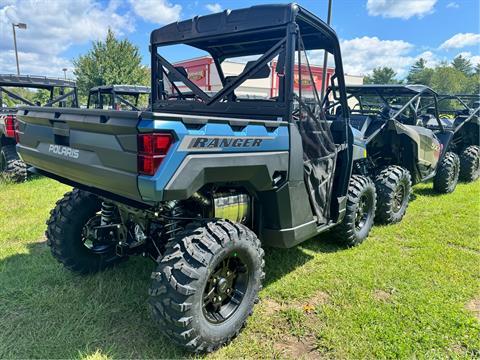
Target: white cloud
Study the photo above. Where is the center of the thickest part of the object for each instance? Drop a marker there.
(431, 59)
(53, 26)
(403, 9)
(214, 8)
(452, 5)
(362, 55)
(35, 64)
(461, 40)
(157, 11)
(474, 59)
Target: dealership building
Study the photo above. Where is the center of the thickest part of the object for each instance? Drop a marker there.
(203, 73)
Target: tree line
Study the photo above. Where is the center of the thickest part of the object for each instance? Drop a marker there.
(457, 77)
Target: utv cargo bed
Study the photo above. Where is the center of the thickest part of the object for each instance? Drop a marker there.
(96, 148)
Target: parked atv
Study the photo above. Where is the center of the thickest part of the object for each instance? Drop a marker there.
(392, 145)
(460, 114)
(201, 182)
(14, 91)
(119, 97)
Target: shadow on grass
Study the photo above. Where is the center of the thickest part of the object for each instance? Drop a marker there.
(51, 313)
(280, 262)
(425, 191)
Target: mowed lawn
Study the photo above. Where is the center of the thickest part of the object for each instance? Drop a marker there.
(411, 290)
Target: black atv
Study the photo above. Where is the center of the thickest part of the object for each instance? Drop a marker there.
(119, 97)
(392, 145)
(20, 90)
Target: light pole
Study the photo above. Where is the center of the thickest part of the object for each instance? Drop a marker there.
(20, 26)
(325, 56)
(65, 73)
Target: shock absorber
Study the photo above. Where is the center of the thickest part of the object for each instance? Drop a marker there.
(107, 213)
(172, 226)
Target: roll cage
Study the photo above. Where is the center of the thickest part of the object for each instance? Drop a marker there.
(67, 88)
(268, 31)
(468, 103)
(470, 100)
(410, 98)
(117, 92)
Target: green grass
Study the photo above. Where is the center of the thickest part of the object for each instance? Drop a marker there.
(404, 293)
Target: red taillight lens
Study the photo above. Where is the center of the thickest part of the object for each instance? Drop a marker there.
(148, 165)
(10, 126)
(152, 148)
(154, 144)
(17, 138)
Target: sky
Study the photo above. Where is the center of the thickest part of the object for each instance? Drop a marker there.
(372, 33)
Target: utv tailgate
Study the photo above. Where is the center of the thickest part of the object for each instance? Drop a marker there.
(95, 148)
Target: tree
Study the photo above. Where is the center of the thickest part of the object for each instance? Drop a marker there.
(109, 62)
(420, 74)
(473, 84)
(381, 75)
(448, 80)
(463, 64)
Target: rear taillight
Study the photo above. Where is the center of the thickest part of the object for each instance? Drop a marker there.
(152, 149)
(10, 126)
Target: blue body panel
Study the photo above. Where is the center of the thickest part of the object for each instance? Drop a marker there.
(150, 187)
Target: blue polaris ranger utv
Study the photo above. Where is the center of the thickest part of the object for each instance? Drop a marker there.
(203, 180)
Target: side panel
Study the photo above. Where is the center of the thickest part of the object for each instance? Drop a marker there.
(213, 152)
(428, 147)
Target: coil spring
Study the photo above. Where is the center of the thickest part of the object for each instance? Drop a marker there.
(173, 226)
(107, 213)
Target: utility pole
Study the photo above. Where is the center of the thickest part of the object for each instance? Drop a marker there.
(325, 56)
(20, 26)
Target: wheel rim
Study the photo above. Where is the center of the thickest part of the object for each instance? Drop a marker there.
(225, 289)
(398, 198)
(363, 212)
(89, 240)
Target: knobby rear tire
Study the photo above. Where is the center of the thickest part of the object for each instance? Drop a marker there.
(64, 233)
(179, 282)
(470, 163)
(11, 166)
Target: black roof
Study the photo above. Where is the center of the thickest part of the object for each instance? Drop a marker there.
(247, 31)
(389, 90)
(32, 81)
(124, 89)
